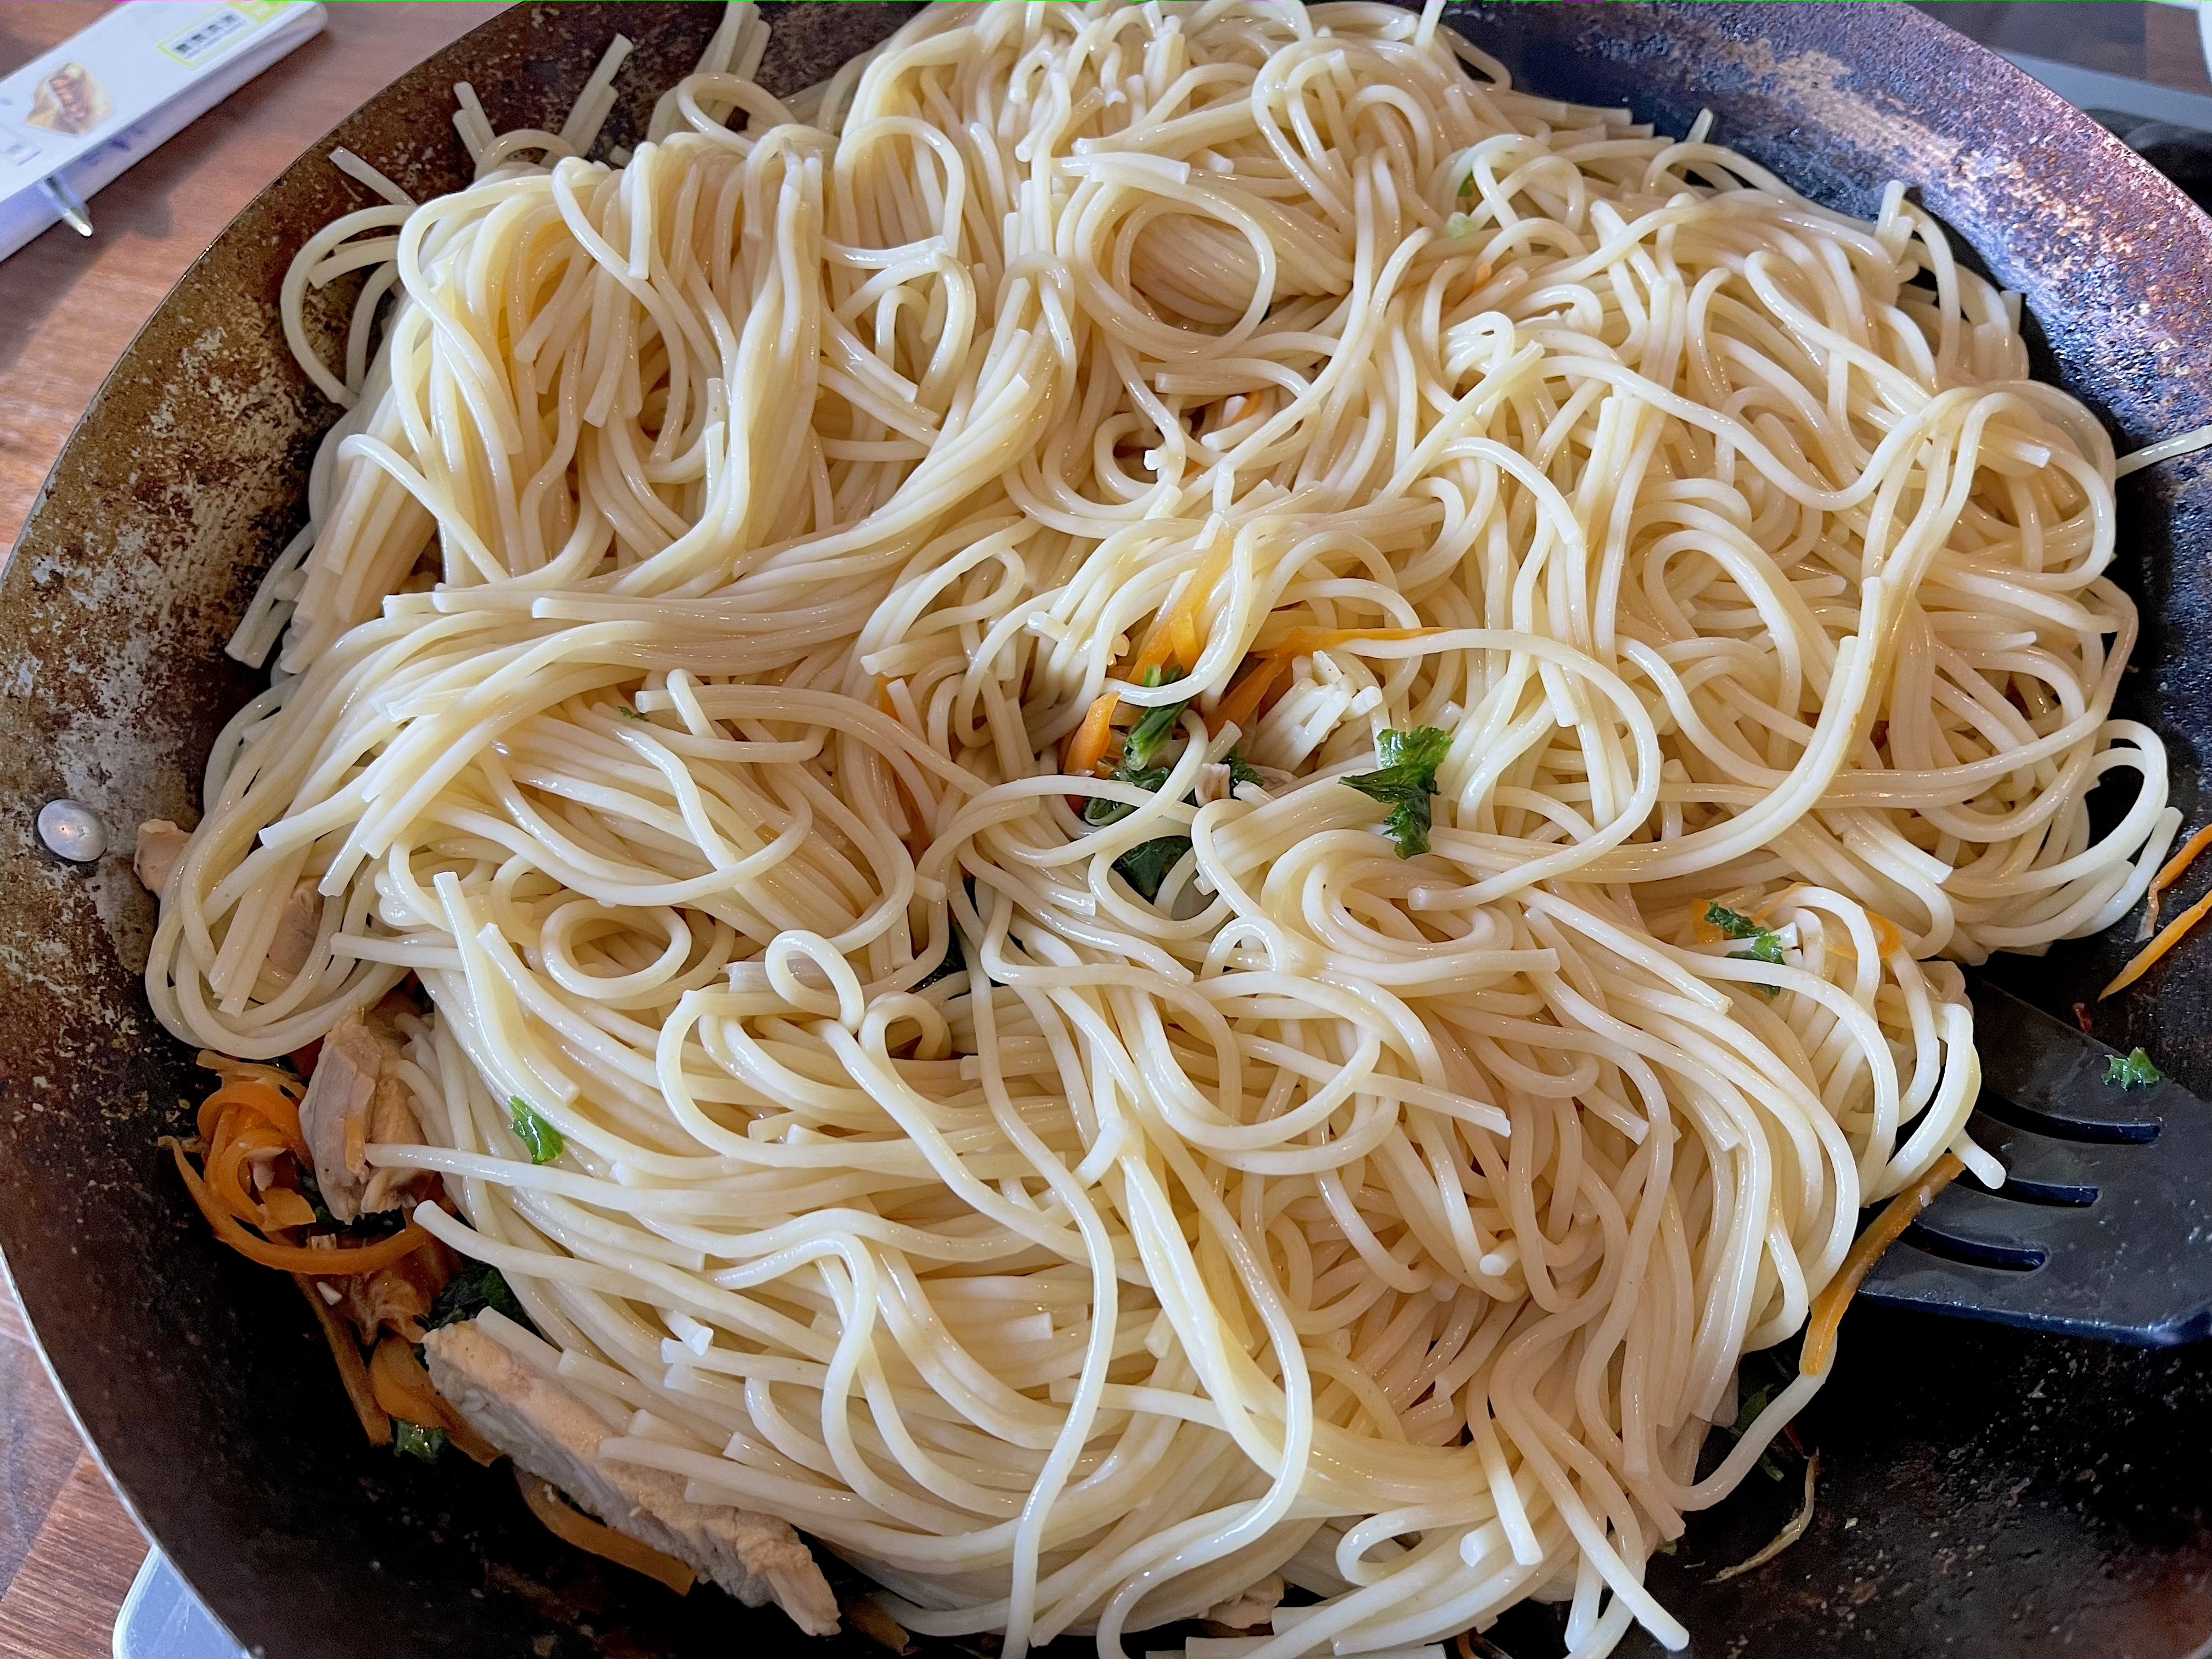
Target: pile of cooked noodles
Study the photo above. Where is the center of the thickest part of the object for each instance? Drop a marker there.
(1182, 802)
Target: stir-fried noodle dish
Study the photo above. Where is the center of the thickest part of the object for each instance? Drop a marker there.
(1155, 812)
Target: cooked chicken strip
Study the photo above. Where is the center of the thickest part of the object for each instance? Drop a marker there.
(296, 930)
(552, 1433)
(160, 844)
(357, 1097)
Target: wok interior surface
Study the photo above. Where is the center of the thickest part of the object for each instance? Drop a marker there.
(1984, 1491)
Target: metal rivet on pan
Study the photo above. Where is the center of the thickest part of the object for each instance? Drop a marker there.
(72, 831)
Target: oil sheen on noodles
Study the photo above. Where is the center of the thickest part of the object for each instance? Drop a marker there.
(716, 560)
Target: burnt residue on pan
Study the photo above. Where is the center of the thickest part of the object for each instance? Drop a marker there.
(1984, 1494)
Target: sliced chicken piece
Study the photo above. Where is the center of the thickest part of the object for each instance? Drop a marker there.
(355, 1098)
(160, 844)
(397, 1298)
(296, 930)
(548, 1431)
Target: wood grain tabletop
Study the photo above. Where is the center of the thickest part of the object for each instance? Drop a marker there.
(67, 307)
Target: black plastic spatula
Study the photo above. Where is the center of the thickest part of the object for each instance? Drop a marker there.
(2104, 1226)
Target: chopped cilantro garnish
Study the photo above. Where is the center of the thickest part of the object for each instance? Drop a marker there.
(1099, 810)
(1152, 730)
(1423, 749)
(1765, 947)
(543, 1141)
(1405, 779)
(1754, 1404)
(1733, 924)
(627, 712)
(1762, 944)
(1145, 865)
(2133, 1071)
(478, 1285)
(417, 1441)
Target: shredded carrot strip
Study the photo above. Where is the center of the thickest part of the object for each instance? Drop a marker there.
(404, 1389)
(352, 1371)
(295, 1258)
(252, 1071)
(1088, 746)
(1184, 642)
(1888, 938)
(1819, 1349)
(1241, 704)
(467, 1441)
(586, 1533)
(1175, 636)
(2173, 869)
(2168, 936)
(1241, 707)
(1238, 708)
(226, 1166)
(286, 1208)
(270, 1105)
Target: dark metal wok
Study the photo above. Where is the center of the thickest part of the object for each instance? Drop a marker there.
(1987, 1494)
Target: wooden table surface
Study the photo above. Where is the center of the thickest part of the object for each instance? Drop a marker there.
(67, 307)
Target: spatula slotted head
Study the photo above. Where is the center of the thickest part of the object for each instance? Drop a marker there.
(2104, 1226)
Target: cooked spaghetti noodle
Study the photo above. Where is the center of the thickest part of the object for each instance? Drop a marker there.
(1080, 1193)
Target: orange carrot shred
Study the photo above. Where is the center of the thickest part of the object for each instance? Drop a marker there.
(403, 1389)
(339, 1263)
(572, 1527)
(1088, 746)
(354, 1374)
(2173, 870)
(1241, 707)
(2168, 936)
(1819, 1349)
(286, 1208)
(270, 1104)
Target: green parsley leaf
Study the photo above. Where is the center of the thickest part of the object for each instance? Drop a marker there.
(627, 712)
(415, 1441)
(1424, 748)
(1733, 924)
(1747, 1414)
(1765, 943)
(1765, 947)
(1404, 783)
(2135, 1071)
(1410, 818)
(478, 1285)
(1152, 730)
(1145, 865)
(1099, 811)
(543, 1142)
